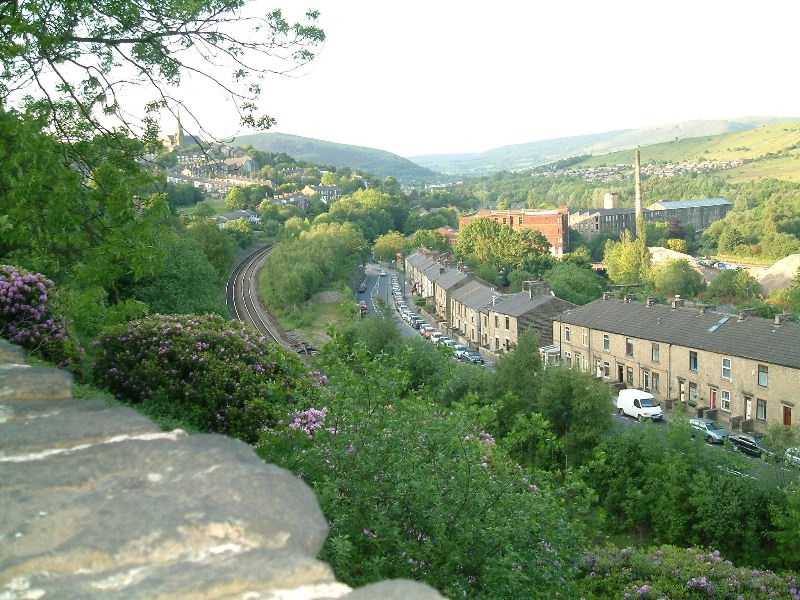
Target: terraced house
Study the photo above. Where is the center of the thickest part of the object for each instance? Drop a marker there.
(741, 369)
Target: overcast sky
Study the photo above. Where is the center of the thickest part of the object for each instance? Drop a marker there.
(446, 76)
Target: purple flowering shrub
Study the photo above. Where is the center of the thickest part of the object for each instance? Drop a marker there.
(214, 374)
(676, 574)
(415, 490)
(30, 317)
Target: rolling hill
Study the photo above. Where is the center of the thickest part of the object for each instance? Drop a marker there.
(769, 145)
(379, 162)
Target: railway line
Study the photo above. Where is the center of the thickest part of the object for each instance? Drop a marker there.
(244, 299)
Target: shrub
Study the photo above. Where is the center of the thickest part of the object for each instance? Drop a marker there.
(675, 573)
(29, 316)
(214, 374)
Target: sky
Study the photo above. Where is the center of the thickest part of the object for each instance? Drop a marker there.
(445, 76)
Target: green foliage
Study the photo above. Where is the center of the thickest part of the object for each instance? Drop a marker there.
(431, 239)
(673, 489)
(675, 277)
(579, 285)
(676, 573)
(214, 374)
(414, 491)
(627, 261)
(319, 258)
(372, 212)
(389, 245)
(30, 316)
(153, 43)
(734, 286)
(190, 285)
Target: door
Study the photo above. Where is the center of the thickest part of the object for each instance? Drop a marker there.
(682, 390)
(787, 416)
(712, 396)
(748, 408)
(620, 373)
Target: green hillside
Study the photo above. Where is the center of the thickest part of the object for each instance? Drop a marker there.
(769, 151)
(523, 157)
(379, 162)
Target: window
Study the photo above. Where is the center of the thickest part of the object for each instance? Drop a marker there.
(628, 347)
(497, 320)
(692, 360)
(655, 353)
(520, 220)
(577, 360)
(567, 333)
(607, 370)
(568, 358)
(654, 381)
(629, 375)
(645, 380)
(586, 338)
(606, 342)
(725, 400)
(692, 393)
(763, 375)
(761, 409)
(726, 368)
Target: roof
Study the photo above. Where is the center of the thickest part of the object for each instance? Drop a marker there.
(516, 305)
(474, 294)
(753, 338)
(700, 202)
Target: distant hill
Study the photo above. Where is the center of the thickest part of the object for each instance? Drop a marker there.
(521, 157)
(746, 138)
(767, 152)
(378, 162)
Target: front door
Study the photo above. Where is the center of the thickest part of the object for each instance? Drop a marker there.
(748, 408)
(712, 396)
(787, 416)
(682, 390)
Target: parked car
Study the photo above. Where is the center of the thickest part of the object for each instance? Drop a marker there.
(638, 404)
(709, 430)
(362, 287)
(436, 336)
(426, 331)
(749, 443)
(792, 456)
(382, 273)
(472, 356)
(459, 350)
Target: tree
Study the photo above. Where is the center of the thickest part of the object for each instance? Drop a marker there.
(628, 260)
(676, 277)
(431, 239)
(579, 285)
(734, 286)
(389, 245)
(79, 64)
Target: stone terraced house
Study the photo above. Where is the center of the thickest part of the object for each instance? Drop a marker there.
(740, 369)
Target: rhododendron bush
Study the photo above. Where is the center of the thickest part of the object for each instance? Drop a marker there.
(29, 316)
(214, 374)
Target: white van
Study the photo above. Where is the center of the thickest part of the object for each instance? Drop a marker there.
(639, 404)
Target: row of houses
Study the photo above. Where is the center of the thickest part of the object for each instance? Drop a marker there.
(473, 311)
(741, 369)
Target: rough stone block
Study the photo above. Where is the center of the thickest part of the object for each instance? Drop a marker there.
(21, 382)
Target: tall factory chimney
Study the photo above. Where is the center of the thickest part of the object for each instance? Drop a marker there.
(638, 192)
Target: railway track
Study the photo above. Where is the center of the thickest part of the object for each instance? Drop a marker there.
(244, 299)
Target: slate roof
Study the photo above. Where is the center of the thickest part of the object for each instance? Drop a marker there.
(474, 294)
(515, 305)
(700, 202)
(753, 338)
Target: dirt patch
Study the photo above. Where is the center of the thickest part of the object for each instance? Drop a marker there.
(328, 297)
(780, 275)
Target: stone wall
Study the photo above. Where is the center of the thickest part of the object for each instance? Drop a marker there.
(98, 502)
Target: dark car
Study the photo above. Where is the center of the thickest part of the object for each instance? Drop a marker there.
(362, 287)
(749, 444)
(471, 356)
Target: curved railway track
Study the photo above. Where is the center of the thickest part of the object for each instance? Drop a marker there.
(244, 298)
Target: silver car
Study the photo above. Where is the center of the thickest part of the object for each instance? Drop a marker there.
(709, 430)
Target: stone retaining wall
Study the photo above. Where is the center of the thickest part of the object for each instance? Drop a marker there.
(98, 502)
